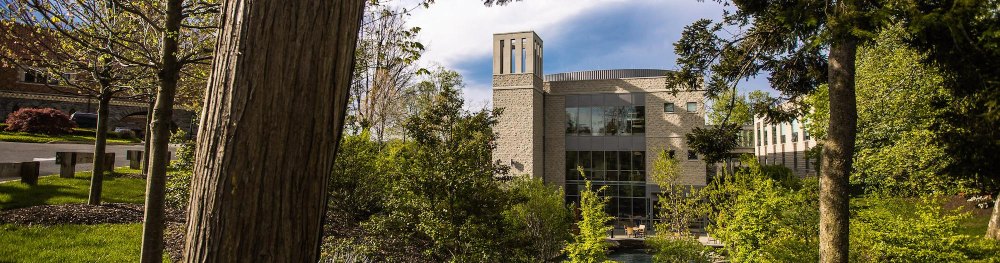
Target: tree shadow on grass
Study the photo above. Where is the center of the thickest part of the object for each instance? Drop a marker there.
(21, 195)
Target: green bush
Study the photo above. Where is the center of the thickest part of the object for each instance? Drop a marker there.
(677, 249)
(539, 220)
(887, 229)
(589, 244)
(178, 189)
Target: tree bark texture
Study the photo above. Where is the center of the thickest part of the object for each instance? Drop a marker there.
(274, 111)
(838, 153)
(993, 229)
(156, 179)
(146, 135)
(100, 146)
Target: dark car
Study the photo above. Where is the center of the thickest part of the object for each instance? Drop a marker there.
(84, 120)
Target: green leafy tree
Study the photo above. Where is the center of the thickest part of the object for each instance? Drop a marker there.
(679, 206)
(895, 148)
(762, 214)
(589, 245)
(802, 44)
(539, 220)
(962, 38)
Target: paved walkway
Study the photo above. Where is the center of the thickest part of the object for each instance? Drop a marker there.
(45, 154)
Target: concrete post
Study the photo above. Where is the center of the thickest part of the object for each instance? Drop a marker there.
(29, 172)
(134, 158)
(67, 164)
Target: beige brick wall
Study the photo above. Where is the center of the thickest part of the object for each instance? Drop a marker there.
(555, 140)
(665, 131)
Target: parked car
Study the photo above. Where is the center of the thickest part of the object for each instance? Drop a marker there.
(84, 120)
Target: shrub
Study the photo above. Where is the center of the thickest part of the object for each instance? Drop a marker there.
(539, 220)
(589, 245)
(128, 135)
(669, 248)
(184, 159)
(48, 121)
(84, 132)
(178, 189)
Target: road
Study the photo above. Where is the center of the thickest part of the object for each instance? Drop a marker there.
(45, 153)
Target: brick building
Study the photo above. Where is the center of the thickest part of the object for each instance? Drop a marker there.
(613, 123)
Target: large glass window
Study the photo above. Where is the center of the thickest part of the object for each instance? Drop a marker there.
(571, 124)
(774, 134)
(606, 121)
(513, 52)
(795, 131)
(622, 173)
(781, 129)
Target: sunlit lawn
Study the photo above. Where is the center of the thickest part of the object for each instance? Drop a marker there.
(55, 190)
(44, 138)
(71, 243)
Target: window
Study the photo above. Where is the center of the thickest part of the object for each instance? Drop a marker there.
(692, 155)
(692, 107)
(668, 107)
(765, 136)
(636, 120)
(513, 52)
(501, 56)
(621, 172)
(805, 134)
(781, 128)
(795, 131)
(597, 121)
(758, 135)
(38, 77)
(571, 118)
(774, 134)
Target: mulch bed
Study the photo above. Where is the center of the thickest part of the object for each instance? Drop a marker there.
(111, 213)
(108, 213)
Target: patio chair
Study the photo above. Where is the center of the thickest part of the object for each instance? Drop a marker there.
(642, 231)
(629, 232)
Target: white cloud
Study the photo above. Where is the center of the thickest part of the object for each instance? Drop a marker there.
(457, 30)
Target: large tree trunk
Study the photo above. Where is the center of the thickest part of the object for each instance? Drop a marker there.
(146, 135)
(993, 229)
(156, 179)
(838, 153)
(273, 115)
(100, 144)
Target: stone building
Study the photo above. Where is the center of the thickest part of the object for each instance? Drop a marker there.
(784, 144)
(613, 123)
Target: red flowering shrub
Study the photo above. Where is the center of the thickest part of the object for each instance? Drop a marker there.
(48, 120)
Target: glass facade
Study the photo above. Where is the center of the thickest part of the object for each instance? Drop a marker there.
(606, 121)
(623, 172)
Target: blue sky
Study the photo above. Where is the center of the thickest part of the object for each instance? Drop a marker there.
(578, 35)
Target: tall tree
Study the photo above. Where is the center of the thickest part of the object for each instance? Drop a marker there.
(802, 44)
(60, 50)
(384, 68)
(963, 38)
(273, 114)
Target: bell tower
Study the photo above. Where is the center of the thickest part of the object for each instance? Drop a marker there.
(517, 88)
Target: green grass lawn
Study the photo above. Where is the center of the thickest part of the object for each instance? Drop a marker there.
(55, 190)
(71, 243)
(44, 138)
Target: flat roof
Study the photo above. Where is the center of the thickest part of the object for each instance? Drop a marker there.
(606, 74)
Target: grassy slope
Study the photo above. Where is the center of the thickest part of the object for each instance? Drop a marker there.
(55, 190)
(71, 243)
(43, 138)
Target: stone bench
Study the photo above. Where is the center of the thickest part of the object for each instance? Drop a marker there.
(134, 158)
(67, 162)
(28, 171)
